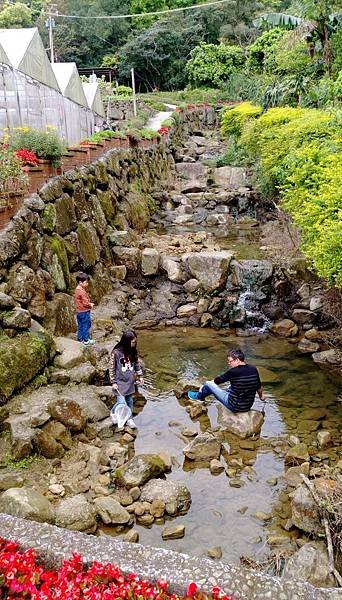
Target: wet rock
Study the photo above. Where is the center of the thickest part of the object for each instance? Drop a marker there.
(215, 552)
(140, 469)
(301, 316)
(68, 413)
(70, 353)
(236, 483)
(77, 514)
(173, 532)
(191, 286)
(230, 178)
(146, 519)
(242, 425)
(216, 467)
(297, 454)
(305, 512)
(157, 508)
(285, 328)
(262, 516)
(188, 432)
(268, 376)
(26, 503)
(110, 511)
(305, 346)
(209, 267)
(324, 439)
(293, 475)
(330, 360)
(149, 261)
(168, 492)
(184, 385)
(203, 447)
(8, 480)
(310, 563)
(250, 273)
(132, 536)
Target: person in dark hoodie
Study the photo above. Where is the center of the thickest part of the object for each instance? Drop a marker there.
(125, 371)
(244, 384)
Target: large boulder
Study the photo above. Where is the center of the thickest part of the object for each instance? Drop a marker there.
(243, 424)
(173, 269)
(77, 514)
(285, 328)
(193, 177)
(60, 316)
(203, 447)
(170, 492)
(140, 469)
(69, 413)
(130, 257)
(330, 360)
(297, 455)
(27, 504)
(251, 273)
(70, 353)
(310, 563)
(110, 511)
(305, 511)
(21, 359)
(209, 267)
(230, 178)
(18, 318)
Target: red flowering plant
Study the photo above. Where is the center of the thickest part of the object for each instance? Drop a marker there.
(22, 578)
(27, 157)
(163, 130)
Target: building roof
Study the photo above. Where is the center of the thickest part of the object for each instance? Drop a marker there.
(92, 93)
(26, 53)
(69, 82)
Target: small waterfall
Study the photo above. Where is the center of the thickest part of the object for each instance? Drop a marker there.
(255, 320)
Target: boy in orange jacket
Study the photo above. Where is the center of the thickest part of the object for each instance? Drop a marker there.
(83, 308)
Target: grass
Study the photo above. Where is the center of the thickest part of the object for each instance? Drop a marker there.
(23, 463)
(186, 96)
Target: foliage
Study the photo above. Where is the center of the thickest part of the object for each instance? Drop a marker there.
(233, 119)
(15, 15)
(123, 90)
(149, 134)
(290, 56)
(212, 64)
(336, 49)
(110, 60)
(27, 157)
(21, 576)
(298, 151)
(260, 51)
(12, 178)
(45, 144)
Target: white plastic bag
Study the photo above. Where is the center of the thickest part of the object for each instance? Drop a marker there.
(120, 415)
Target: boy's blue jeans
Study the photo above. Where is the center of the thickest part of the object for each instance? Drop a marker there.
(83, 326)
(221, 395)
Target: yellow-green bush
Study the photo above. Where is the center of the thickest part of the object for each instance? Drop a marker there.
(234, 118)
(298, 153)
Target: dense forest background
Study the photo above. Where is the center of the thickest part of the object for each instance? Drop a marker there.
(275, 52)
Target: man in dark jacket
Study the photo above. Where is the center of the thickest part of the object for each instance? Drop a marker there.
(244, 384)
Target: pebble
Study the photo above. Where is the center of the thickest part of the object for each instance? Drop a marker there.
(57, 489)
(131, 536)
(173, 532)
(242, 510)
(272, 481)
(262, 516)
(236, 483)
(215, 552)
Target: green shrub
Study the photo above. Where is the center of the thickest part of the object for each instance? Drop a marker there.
(212, 64)
(290, 56)
(234, 118)
(46, 144)
(263, 48)
(149, 134)
(123, 90)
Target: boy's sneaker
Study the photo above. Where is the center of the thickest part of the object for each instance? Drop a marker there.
(193, 396)
(130, 423)
(89, 343)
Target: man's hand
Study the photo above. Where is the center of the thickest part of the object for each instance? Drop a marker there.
(92, 305)
(140, 381)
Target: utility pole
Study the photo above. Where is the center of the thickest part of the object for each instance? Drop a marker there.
(134, 97)
(50, 24)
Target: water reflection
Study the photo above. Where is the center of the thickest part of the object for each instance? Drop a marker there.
(293, 386)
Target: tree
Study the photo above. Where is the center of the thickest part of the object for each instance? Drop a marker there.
(212, 64)
(15, 15)
(316, 23)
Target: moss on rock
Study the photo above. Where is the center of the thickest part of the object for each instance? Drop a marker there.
(21, 359)
(48, 218)
(89, 244)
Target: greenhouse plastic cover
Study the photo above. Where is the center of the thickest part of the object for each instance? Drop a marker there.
(93, 96)
(26, 52)
(3, 57)
(69, 82)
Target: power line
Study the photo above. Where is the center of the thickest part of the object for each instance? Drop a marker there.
(149, 14)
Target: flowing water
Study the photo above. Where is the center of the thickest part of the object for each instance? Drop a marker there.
(292, 383)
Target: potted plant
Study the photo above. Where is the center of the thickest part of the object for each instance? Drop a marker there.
(14, 182)
(47, 146)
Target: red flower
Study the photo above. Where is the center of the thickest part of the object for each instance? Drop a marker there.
(192, 589)
(28, 157)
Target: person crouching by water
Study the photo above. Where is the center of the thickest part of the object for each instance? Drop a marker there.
(125, 371)
(244, 384)
(83, 308)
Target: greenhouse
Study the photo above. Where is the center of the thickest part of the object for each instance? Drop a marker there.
(92, 93)
(35, 93)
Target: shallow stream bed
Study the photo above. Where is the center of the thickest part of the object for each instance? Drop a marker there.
(293, 385)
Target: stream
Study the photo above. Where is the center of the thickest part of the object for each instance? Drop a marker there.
(293, 386)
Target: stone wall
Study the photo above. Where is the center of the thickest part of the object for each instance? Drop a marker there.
(73, 224)
(53, 544)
